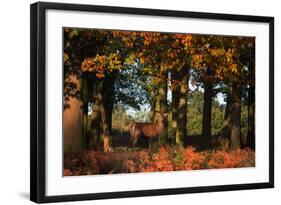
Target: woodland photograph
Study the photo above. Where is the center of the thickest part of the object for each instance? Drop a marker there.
(139, 101)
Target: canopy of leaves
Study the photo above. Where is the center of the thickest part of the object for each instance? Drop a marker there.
(136, 58)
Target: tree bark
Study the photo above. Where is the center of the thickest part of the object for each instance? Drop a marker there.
(106, 108)
(73, 120)
(175, 103)
(236, 116)
(106, 136)
(182, 108)
(225, 133)
(73, 104)
(108, 98)
(251, 107)
(95, 137)
(162, 94)
(153, 99)
(251, 118)
(85, 99)
(207, 114)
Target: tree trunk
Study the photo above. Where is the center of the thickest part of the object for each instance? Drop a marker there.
(106, 108)
(95, 137)
(73, 120)
(207, 115)
(162, 94)
(175, 103)
(95, 126)
(85, 99)
(251, 109)
(225, 132)
(251, 118)
(108, 98)
(182, 107)
(236, 116)
(106, 136)
(153, 99)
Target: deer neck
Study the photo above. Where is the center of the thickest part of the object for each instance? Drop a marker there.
(160, 125)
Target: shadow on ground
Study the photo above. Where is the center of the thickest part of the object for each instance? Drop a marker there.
(122, 139)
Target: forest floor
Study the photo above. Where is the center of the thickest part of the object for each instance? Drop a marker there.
(125, 159)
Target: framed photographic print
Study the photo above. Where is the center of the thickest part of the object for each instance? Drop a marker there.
(129, 102)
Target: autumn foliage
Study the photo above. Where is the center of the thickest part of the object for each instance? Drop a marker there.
(166, 158)
(113, 80)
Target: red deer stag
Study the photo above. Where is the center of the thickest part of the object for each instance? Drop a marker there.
(149, 130)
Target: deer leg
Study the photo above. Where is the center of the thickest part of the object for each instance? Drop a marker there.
(131, 142)
(150, 142)
(135, 141)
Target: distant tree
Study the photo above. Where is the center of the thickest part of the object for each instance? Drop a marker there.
(195, 113)
(132, 87)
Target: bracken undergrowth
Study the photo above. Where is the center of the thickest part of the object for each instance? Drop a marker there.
(165, 158)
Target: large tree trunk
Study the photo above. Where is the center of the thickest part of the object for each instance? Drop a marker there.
(162, 94)
(73, 120)
(207, 115)
(236, 116)
(251, 106)
(153, 99)
(106, 108)
(108, 98)
(106, 136)
(94, 141)
(175, 103)
(95, 137)
(225, 132)
(85, 99)
(251, 118)
(182, 108)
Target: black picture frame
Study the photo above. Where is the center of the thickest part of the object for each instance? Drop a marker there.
(38, 101)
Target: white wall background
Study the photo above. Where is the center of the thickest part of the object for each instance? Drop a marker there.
(14, 103)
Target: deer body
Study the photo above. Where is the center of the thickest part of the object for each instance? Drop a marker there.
(148, 130)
